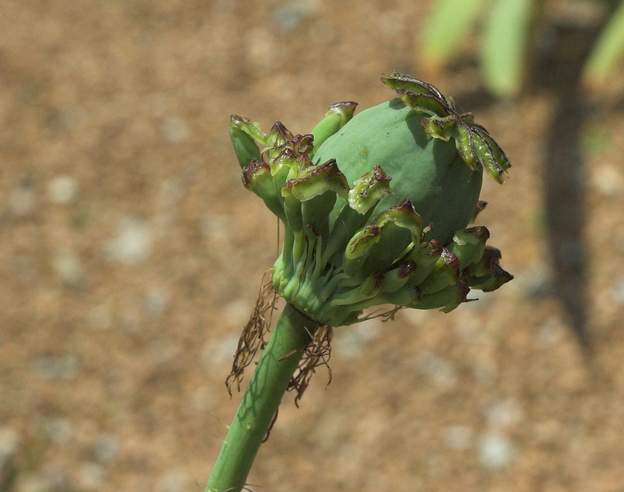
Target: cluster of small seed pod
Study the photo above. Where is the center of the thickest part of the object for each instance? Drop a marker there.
(375, 208)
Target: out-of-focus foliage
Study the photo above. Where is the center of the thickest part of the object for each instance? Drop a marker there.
(444, 31)
(504, 43)
(506, 38)
(609, 50)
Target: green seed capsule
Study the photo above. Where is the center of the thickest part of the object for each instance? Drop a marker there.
(375, 206)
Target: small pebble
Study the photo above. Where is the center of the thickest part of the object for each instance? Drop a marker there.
(44, 481)
(216, 227)
(458, 437)
(202, 399)
(607, 180)
(495, 451)
(163, 350)
(68, 268)
(291, 14)
(58, 430)
(438, 370)
(157, 299)
(175, 480)
(392, 23)
(352, 341)
(504, 414)
(485, 370)
(617, 292)
(133, 242)
(535, 284)
(106, 449)
(175, 129)
(9, 445)
(57, 367)
(415, 317)
(236, 313)
(260, 49)
(217, 352)
(62, 190)
(91, 476)
(101, 317)
(22, 201)
(549, 333)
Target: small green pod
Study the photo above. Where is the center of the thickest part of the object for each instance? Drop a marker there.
(359, 248)
(444, 274)
(244, 146)
(497, 278)
(469, 244)
(316, 180)
(257, 178)
(397, 278)
(446, 299)
(336, 117)
(368, 189)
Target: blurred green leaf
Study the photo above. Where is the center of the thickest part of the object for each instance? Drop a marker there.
(596, 139)
(446, 27)
(505, 41)
(609, 49)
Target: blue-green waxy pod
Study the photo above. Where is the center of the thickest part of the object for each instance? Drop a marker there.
(428, 172)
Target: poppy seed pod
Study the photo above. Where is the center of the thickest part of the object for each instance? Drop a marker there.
(376, 206)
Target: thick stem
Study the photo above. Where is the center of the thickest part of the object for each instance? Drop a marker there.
(261, 401)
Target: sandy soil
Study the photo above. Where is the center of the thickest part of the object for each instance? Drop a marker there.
(131, 256)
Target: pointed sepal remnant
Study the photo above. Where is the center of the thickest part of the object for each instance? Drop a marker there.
(441, 128)
(316, 180)
(251, 128)
(403, 216)
(445, 299)
(279, 135)
(445, 274)
(488, 153)
(337, 116)
(420, 95)
(344, 109)
(397, 278)
(468, 245)
(378, 246)
(255, 174)
(480, 207)
(257, 178)
(443, 121)
(368, 190)
(245, 136)
(487, 275)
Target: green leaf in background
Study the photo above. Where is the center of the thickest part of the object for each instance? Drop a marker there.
(446, 27)
(505, 40)
(608, 51)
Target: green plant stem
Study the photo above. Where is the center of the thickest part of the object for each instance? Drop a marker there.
(261, 401)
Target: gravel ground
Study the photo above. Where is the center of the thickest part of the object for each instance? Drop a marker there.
(131, 256)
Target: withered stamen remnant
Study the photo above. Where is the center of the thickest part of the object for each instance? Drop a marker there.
(316, 354)
(253, 335)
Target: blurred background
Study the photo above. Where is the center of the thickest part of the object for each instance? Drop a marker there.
(131, 255)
